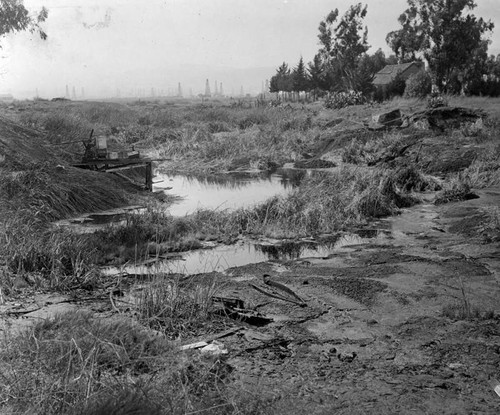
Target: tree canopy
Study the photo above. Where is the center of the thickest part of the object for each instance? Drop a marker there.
(14, 17)
(445, 33)
(343, 42)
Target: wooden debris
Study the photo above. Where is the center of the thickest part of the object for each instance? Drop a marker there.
(392, 118)
(255, 335)
(229, 302)
(197, 345)
(268, 281)
(277, 296)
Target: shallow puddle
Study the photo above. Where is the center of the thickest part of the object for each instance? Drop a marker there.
(230, 191)
(224, 257)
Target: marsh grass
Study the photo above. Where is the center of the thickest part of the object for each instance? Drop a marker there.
(323, 203)
(46, 258)
(464, 309)
(178, 307)
(79, 364)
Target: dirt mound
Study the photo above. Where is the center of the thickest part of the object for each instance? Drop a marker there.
(35, 180)
(20, 146)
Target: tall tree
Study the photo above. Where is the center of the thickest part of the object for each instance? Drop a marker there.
(282, 80)
(300, 77)
(444, 33)
(343, 42)
(317, 73)
(14, 17)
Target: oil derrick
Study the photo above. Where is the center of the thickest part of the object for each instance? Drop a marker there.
(179, 90)
(207, 89)
(221, 91)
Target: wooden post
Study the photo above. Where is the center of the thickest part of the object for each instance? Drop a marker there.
(149, 176)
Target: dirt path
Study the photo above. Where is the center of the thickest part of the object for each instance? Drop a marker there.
(384, 330)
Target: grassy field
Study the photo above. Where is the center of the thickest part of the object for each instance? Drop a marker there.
(81, 363)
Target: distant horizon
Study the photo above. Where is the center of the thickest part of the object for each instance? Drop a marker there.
(109, 45)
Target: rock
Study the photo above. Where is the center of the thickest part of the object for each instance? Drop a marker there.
(392, 118)
(347, 357)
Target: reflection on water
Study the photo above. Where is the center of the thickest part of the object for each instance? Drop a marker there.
(223, 257)
(229, 191)
(294, 250)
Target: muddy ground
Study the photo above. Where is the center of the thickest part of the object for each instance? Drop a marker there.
(405, 322)
(374, 337)
(383, 329)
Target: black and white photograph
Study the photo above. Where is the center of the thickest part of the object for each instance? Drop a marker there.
(249, 207)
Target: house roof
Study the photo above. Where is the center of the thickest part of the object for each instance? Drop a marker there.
(389, 72)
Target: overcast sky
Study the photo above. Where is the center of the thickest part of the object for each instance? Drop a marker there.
(106, 46)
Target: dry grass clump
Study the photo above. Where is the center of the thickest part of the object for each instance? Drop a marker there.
(367, 152)
(410, 178)
(455, 190)
(45, 258)
(76, 363)
(464, 311)
(485, 169)
(178, 308)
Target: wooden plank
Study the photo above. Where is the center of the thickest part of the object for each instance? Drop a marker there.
(112, 162)
(149, 176)
(128, 167)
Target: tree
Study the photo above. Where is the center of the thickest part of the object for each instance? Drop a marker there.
(283, 80)
(343, 42)
(14, 17)
(299, 77)
(444, 33)
(317, 74)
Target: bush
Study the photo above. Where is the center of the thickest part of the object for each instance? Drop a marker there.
(397, 86)
(338, 100)
(436, 100)
(418, 85)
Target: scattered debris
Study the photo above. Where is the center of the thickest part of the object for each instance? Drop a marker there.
(443, 118)
(215, 348)
(275, 295)
(197, 345)
(496, 386)
(268, 281)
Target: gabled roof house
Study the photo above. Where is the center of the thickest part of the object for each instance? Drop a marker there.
(389, 72)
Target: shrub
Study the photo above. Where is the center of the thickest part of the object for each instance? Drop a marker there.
(418, 85)
(436, 100)
(397, 86)
(338, 100)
